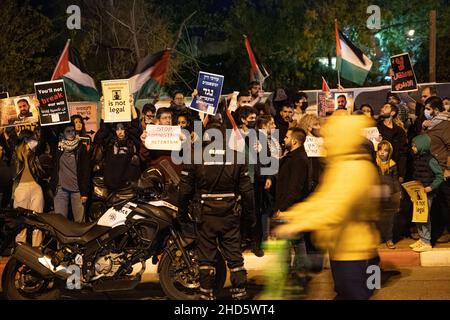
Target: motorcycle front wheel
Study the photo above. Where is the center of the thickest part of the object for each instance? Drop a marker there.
(20, 282)
(180, 283)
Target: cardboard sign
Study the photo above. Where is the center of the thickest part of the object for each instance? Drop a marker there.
(163, 137)
(88, 111)
(116, 94)
(403, 78)
(209, 87)
(314, 147)
(53, 106)
(19, 111)
(373, 135)
(419, 199)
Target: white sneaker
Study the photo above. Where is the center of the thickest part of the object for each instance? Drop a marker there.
(423, 247)
(415, 244)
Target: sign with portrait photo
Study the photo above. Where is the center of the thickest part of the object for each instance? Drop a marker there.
(19, 111)
(116, 95)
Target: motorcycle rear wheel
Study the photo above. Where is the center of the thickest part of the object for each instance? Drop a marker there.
(19, 282)
(171, 286)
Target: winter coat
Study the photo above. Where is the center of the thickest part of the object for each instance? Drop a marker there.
(342, 211)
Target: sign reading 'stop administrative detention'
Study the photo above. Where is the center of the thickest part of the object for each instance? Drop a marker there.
(209, 88)
(53, 106)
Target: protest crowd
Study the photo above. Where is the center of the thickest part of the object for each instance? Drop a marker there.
(52, 168)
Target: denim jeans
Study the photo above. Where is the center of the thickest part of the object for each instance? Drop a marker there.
(424, 229)
(61, 204)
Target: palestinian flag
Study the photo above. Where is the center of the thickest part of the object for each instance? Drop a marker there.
(150, 74)
(351, 62)
(79, 85)
(325, 87)
(258, 72)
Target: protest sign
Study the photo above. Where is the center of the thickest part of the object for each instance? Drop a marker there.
(209, 87)
(116, 94)
(403, 78)
(314, 147)
(419, 199)
(20, 112)
(53, 106)
(325, 104)
(88, 111)
(163, 137)
(373, 135)
(343, 100)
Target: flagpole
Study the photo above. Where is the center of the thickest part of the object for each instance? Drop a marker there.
(60, 58)
(339, 79)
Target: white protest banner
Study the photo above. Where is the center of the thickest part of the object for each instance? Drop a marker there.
(314, 147)
(163, 137)
(116, 94)
(373, 135)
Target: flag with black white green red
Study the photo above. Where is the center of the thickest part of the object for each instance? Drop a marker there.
(351, 62)
(257, 71)
(149, 74)
(80, 86)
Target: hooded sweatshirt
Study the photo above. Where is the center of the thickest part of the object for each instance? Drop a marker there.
(439, 132)
(341, 211)
(426, 167)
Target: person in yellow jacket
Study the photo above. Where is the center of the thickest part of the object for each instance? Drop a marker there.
(343, 211)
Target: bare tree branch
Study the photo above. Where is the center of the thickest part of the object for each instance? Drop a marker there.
(120, 21)
(180, 30)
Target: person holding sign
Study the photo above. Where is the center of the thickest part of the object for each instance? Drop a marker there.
(429, 173)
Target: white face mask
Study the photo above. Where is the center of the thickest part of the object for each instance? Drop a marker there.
(32, 144)
(428, 114)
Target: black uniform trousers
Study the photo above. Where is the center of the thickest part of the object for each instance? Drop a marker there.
(220, 232)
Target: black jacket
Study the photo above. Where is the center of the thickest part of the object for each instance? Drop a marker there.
(283, 127)
(292, 183)
(197, 179)
(83, 170)
(397, 137)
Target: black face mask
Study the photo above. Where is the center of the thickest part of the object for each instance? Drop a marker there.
(251, 124)
(304, 105)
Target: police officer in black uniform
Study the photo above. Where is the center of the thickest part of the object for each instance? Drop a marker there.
(216, 188)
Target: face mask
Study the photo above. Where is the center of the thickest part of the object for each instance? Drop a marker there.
(447, 107)
(251, 124)
(428, 114)
(69, 135)
(32, 144)
(246, 105)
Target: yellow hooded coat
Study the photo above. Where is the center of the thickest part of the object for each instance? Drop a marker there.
(342, 211)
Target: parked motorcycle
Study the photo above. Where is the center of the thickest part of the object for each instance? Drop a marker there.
(100, 255)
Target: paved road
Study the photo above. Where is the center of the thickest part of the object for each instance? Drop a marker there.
(413, 283)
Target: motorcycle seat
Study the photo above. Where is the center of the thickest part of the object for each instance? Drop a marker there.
(65, 226)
